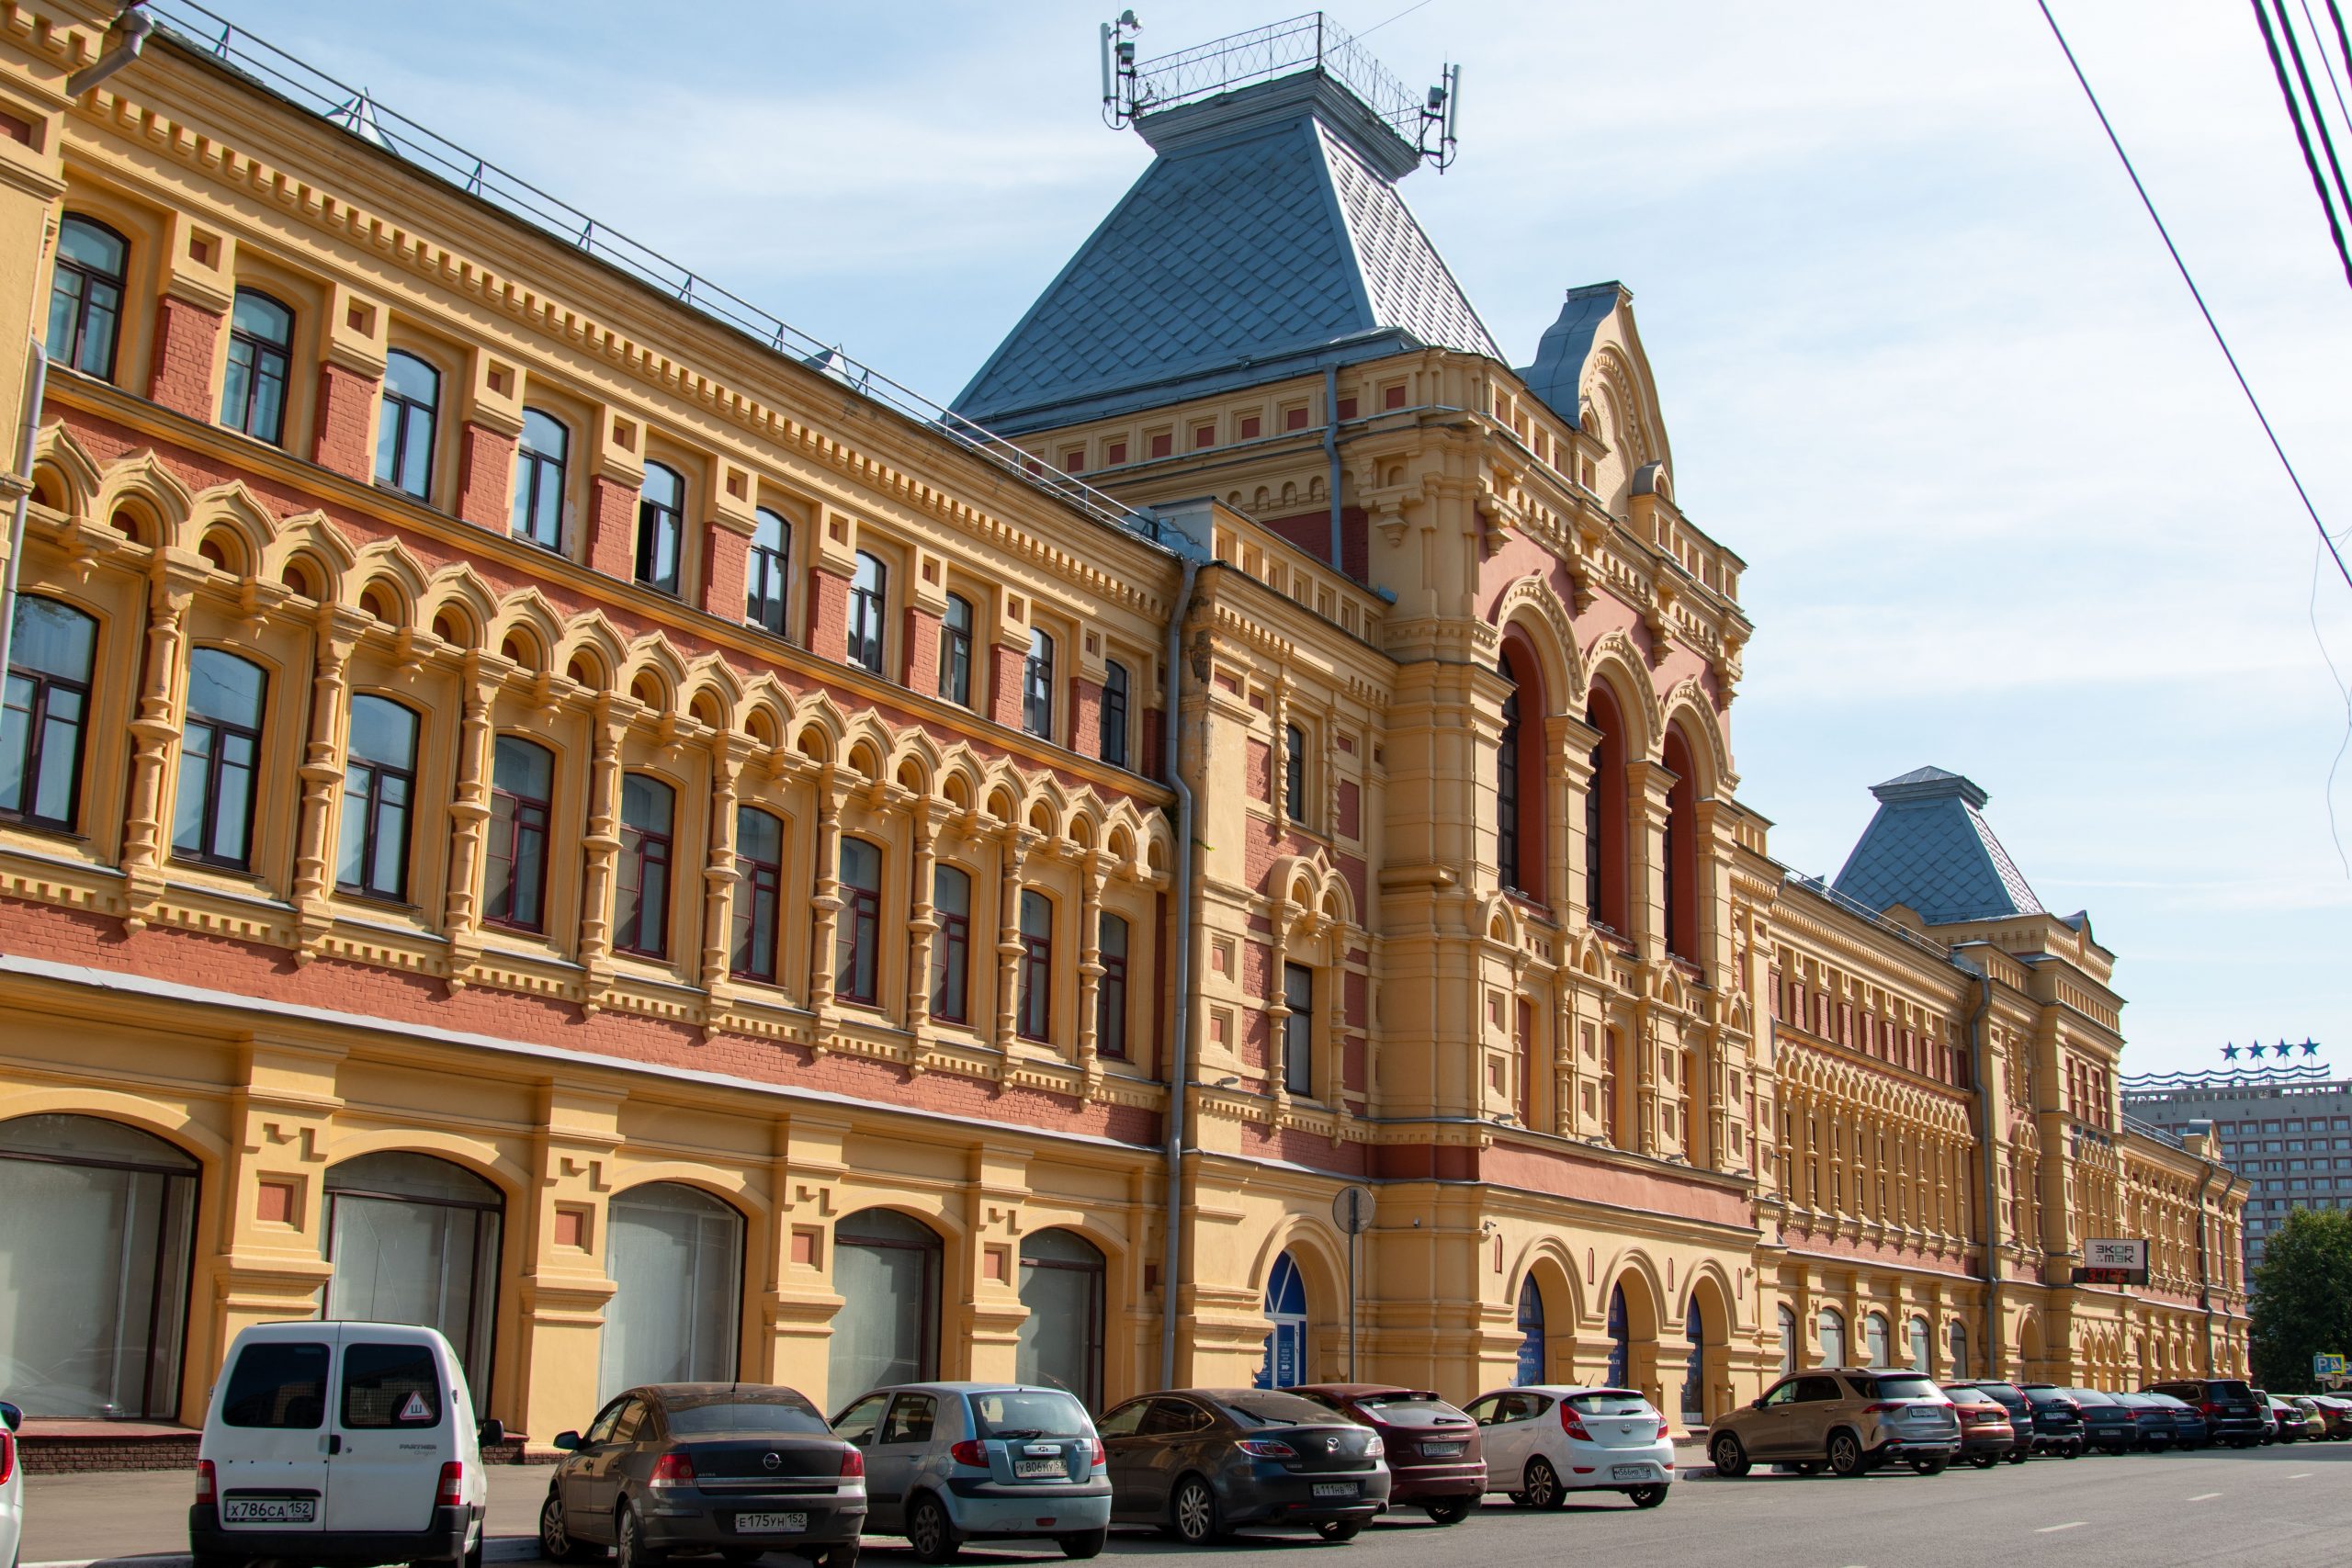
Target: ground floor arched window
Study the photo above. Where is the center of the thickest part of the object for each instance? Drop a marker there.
(96, 1219)
(1920, 1348)
(1286, 1361)
(1874, 1340)
(1832, 1328)
(1787, 1340)
(1060, 1343)
(1530, 1367)
(885, 1267)
(675, 1255)
(1959, 1348)
(1620, 1344)
(415, 1239)
(1694, 1367)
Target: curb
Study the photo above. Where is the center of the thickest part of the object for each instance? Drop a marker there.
(495, 1549)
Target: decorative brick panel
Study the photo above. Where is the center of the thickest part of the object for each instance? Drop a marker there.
(1085, 717)
(612, 528)
(828, 614)
(1259, 778)
(920, 664)
(486, 477)
(726, 570)
(1351, 808)
(187, 339)
(1311, 532)
(1004, 685)
(346, 415)
(1150, 736)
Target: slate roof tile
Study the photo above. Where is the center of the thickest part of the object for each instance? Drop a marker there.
(1930, 848)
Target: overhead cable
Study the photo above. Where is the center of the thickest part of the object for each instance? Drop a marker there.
(2295, 113)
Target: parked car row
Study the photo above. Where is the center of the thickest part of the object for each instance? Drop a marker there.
(2297, 1416)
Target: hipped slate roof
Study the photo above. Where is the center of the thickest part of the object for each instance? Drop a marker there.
(1266, 239)
(1929, 847)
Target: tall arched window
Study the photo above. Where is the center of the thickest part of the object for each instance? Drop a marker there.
(1621, 1341)
(85, 295)
(414, 1239)
(1110, 990)
(1831, 1327)
(641, 919)
(759, 893)
(857, 941)
(1521, 767)
(675, 1257)
(886, 1269)
(1294, 773)
(1875, 1348)
(1035, 1017)
(378, 797)
(47, 715)
(660, 526)
(1286, 1359)
(950, 945)
(522, 788)
(1530, 1367)
(1919, 1346)
(1037, 686)
(1694, 1367)
(869, 597)
(1680, 849)
(1788, 1339)
(955, 651)
(1059, 1344)
(539, 465)
(1959, 1348)
(261, 350)
(768, 572)
(95, 1223)
(1298, 1029)
(1506, 857)
(1112, 720)
(212, 819)
(1604, 816)
(412, 402)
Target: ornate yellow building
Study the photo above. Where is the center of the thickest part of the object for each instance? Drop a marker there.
(528, 804)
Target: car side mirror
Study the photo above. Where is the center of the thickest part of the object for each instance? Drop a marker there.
(568, 1441)
(12, 1415)
(492, 1433)
(1755, 1405)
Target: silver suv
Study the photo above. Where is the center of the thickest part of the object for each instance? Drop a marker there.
(1850, 1419)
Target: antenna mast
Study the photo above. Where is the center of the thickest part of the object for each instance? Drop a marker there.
(1120, 99)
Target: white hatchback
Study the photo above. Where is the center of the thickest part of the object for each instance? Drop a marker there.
(1547, 1440)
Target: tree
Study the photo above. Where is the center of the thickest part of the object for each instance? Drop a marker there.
(2303, 1297)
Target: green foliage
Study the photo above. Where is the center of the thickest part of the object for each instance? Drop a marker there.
(2303, 1297)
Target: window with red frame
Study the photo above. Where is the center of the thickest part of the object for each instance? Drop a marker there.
(648, 811)
(857, 944)
(522, 780)
(759, 893)
(951, 947)
(1035, 1016)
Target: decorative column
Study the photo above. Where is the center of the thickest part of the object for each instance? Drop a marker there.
(1278, 998)
(154, 736)
(1646, 813)
(719, 876)
(602, 843)
(477, 740)
(1091, 870)
(1278, 771)
(1569, 744)
(337, 632)
(1013, 848)
(826, 903)
(922, 924)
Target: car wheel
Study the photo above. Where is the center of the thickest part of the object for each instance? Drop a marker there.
(1729, 1454)
(1929, 1466)
(1647, 1496)
(1449, 1510)
(1983, 1462)
(1543, 1490)
(1193, 1512)
(200, 1560)
(1084, 1544)
(2019, 1456)
(629, 1550)
(1846, 1458)
(929, 1532)
(1340, 1529)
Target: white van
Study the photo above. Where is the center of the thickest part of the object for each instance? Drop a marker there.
(343, 1443)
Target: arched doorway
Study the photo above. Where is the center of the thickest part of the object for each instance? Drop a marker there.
(415, 1239)
(885, 1267)
(95, 1218)
(1831, 1327)
(1060, 1341)
(2030, 1351)
(1530, 1365)
(1694, 1367)
(1285, 1361)
(1620, 1344)
(675, 1256)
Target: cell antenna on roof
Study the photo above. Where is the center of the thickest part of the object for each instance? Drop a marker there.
(1120, 98)
(1438, 114)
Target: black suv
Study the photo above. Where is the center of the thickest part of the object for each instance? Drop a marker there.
(2011, 1398)
(2057, 1420)
(2232, 1415)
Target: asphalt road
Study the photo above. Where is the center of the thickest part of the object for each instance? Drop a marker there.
(2284, 1508)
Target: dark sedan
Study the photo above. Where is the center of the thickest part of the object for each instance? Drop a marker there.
(1436, 1461)
(2057, 1420)
(1202, 1463)
(738, 1469)
(2189, 1427)
(2107, 1423)
(2152, 1422)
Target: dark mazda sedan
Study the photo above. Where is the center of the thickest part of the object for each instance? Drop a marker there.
(738, 1469)
(1202, 1463)
(1436, 1462)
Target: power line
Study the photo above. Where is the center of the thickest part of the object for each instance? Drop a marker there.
(2195, 293)
(2327, 65)
(1399, 17)
(2295, 113)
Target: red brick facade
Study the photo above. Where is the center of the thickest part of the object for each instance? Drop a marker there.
(828, 614)
(920, 660)
(725, 570)
(486, 476)
(187, 342)
(612, 528)
(345, 420)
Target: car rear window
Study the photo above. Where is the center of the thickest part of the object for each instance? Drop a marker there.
(277, 1383)
(2230, 1389)
(1609, 1401)
(1903, 1385)
(1408, 1409)
(389, 1385)
(741, 1414)
(2089, 1396)
(1030, 1412)
(1272, 1409)
(2047, 1395)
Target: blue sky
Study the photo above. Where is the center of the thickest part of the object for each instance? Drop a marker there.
(1923, 363)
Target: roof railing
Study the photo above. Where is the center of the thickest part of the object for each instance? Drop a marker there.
(1309, 42)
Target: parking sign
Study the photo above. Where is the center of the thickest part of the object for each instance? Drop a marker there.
(2327, 1364)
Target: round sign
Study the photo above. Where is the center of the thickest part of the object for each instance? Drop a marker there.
(1352, 1209)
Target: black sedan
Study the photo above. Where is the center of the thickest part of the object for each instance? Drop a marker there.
(1204, 1461)
(738, 1469)
(2108, 1424)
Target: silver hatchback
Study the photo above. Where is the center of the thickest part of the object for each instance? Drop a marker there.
(1848, 1420)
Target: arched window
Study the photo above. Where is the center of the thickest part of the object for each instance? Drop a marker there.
(869, 596)
(1694, 1367)
(85, 295)
(768, 572)
(1506, 857)
(1114, 718)
(1874, 1340)
(1520, 769)
(857, 942)
(1680, 849)
(1035, 1017)
(1530, 1365)
(1831, 1327)
(541, 462)
(955, 651)
(96, 1221)
(648, 812)
(886, 1268)
(1787, 1340)
(47, 714)
(1294, 773)
(1604, 816)
(661, 525)
(1298, 1029)
(1110, 991)
(414, 1239)
(1919, 1346)
(1286, 1359)
(1959, 1348)
(759, 893)
(261, 349)
(950, 945)
(675, 1256)
(1060, 1342)
(404, 425)
(212, 819)
(1621, 1340)
(522, 786)
(1037, 686)
(378, 797)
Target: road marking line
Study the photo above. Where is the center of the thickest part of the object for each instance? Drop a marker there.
(2305, 1476)
(2053, 1530)
(2205, 1497)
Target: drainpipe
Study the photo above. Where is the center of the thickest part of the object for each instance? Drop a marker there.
(1988, 1110)
(1180, 1065)
(1331, 451)
(129, 35)
(36, 384)
(2204, 1257)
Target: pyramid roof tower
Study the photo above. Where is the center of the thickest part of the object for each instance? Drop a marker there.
(1267, 239)
(1929, 848)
